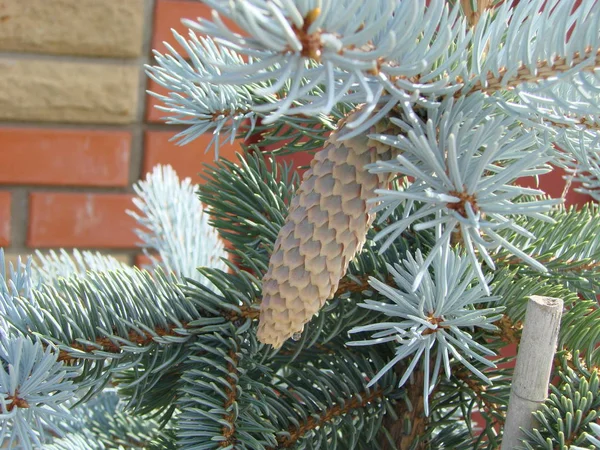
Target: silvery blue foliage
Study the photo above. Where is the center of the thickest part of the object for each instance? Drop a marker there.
(304, 57)
(581, 158)
(563, 91)
(194, 101)
(522, 29)
(595, 440)
(18, 282)
(50, 267)
(103, 422)
(337, 44)
(464, 158)
(34, 388)
(354, 53)
(175, 232)
(435, 322)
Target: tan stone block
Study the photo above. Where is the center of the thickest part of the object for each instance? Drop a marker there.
(58, 91)
(73, 27)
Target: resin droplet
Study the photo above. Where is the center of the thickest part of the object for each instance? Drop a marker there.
(296, 336)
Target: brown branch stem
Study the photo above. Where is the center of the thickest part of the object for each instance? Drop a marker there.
(509, 331)
(229, 429)
(513, 260)
(411, 420)
(544, 70)
(311, 423)
(107, 345)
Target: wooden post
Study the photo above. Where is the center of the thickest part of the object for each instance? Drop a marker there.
(534, 363)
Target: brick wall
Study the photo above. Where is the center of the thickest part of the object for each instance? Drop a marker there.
(76, 125)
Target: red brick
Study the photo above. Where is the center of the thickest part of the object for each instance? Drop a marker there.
(142, 261)
(80, 220)
(168, 15)
(64, 157)
(300, 161)
(187, 160)
(554, 185)
(4, 219)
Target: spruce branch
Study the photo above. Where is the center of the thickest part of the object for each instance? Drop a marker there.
(359, 400)
(569, 248)
(193, 100)
(34, 388)
(49, 268)
(351, 57)
(346, 404)
(464, 157)
(543, 70)
(431, 322)
(178, 232)
(103, 423)
(104, 322)
(248, 200)
(509, 45)
(233, 399)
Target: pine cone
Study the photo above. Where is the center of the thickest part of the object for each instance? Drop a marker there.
(325, 228)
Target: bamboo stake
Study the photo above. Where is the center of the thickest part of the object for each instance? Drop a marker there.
(534, 363)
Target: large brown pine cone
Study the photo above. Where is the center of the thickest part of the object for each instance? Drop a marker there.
(325, 228)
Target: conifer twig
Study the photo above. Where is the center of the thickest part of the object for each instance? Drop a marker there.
(411, 411)
(544, 70)
(356, 401)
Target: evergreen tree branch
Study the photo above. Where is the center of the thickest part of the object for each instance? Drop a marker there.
(568, 248)
(178, 232)
(242, 402)
(578, 121)
(509, 331)
(356, 401)
(108, 346)
(247, 200)
(544, 70)
(108, 322)
(104, 423)
(408, 424)
(231, 391)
